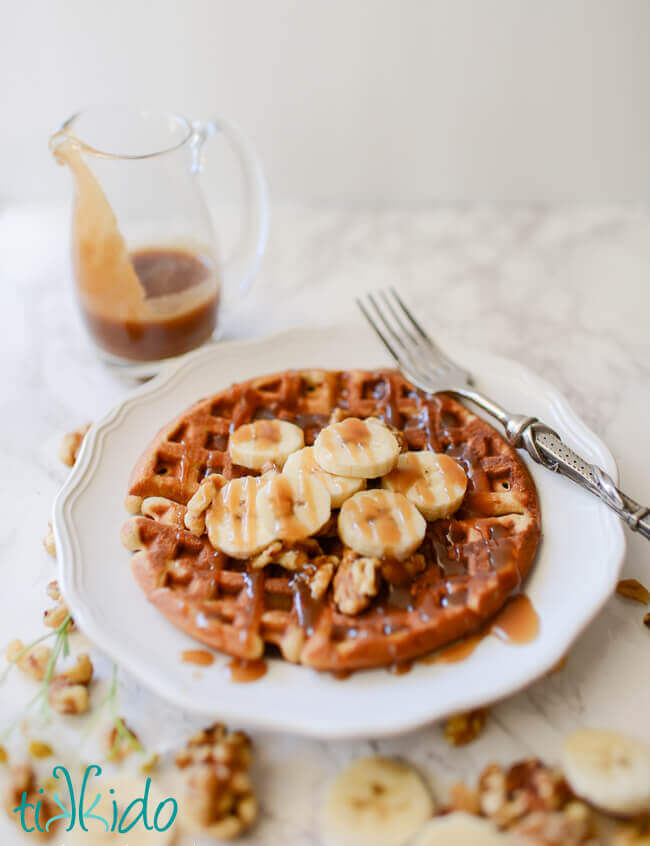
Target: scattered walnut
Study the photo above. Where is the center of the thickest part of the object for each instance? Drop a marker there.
(571, 826)
(633, 834)
(292, 557)
(48, 541)
(463, 728)
(203, 498)
(463, 798)
(646, 621)
(220, 801)
(34, 662)
(632, 589)
(81, 673)
(356, 581)
(150, 765)
(325, 568)
(54, 617)
(120, 745)
(71, 444)
(23, 781)
(66, 698)
(266, 556)
(38, 749)
(401, 572)
(507, 796)
(3, 755)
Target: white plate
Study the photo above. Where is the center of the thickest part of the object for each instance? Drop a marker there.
(575, 572)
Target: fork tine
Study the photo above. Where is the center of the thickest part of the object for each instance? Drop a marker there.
(407, 312)
(394, 335)
(378, 331)
(396, 317)
(444, 358)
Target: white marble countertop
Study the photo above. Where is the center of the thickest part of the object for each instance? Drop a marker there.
(566, 292)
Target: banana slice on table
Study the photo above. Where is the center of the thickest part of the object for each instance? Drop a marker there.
(376, 523)
(375, 801)
(432, 481)
(256, 444)
(126, 790)
(293, 508)
(233, 521)
(460, 829)
(364, 449)
(609, 770)
(340, 487)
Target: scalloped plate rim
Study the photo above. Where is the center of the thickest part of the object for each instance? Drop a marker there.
(71, 569)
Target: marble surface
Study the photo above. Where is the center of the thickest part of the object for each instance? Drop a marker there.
(566, 291)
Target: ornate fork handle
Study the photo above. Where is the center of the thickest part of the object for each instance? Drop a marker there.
(547, 448)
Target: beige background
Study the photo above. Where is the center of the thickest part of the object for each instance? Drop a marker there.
(362, 102)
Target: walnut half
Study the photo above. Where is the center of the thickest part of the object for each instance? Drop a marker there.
(219, 793)
(356, 582)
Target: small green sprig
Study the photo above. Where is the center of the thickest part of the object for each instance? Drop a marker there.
(122, 733)
(61, 647)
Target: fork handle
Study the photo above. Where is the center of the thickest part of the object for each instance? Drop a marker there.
(547, 448)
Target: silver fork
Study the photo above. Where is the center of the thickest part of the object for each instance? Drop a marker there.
(424, 364)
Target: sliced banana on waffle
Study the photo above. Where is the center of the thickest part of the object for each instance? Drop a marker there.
(378, 523)
(264, 441)
(375, 802)
(340, 488)
(364, 449)
(432, 481)
(609, 770)
(293, 508)
(233, 521)
(460, 829)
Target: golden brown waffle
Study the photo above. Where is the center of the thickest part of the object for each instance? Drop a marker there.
(474, 561)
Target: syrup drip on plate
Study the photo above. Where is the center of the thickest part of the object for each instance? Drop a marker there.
(200, 657)
(243, 670)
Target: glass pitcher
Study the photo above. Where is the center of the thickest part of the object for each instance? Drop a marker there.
(148, 275)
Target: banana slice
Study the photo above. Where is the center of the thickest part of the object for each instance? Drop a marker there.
(340, 487)
(432, 481)
(376, 523)
(233, 521)
(364, 449)
(609, 770)
(293, 508)
(375, 801)
(460, 829)
(263, 441)
(126, 790)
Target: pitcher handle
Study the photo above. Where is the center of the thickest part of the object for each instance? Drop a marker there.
(240, 268)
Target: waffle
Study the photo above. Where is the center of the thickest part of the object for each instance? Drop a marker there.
(474, 560)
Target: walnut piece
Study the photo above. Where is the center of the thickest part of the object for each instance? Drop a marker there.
(632, 589)
(633, 834)
(33, 663)
(66, 698)
(54, 617)
(220, 801)
(120, 744)
(571, 826)
(356, 581)
(507, 796)
(81, 673)
(71, 444)
(23, 781)
(48, 541)
(463, 728)
(320, 580)
(203, 498)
